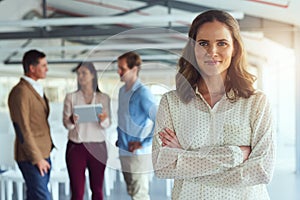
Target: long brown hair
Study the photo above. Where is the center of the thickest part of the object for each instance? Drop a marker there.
(90, 66)
(238, 79)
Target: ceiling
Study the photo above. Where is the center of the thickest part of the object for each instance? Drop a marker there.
(71, 31)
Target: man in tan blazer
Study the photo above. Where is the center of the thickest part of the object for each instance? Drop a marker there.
(29, 112)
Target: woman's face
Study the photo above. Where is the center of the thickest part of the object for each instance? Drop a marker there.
(214, 49)
(84, 76)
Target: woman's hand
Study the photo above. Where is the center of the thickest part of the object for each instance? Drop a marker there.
(102, 116)
(74, 118)
(169, 139)
(246, 152)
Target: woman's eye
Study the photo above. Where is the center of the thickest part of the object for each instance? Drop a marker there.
(81, 74)
(203, 43)
(222, 43)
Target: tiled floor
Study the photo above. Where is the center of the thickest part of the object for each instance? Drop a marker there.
(285, 185)
(157, 190)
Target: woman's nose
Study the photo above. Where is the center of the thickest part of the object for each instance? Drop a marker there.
(211, 50)
(119, 71)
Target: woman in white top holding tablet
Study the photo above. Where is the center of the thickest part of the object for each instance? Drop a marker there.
(86, 147)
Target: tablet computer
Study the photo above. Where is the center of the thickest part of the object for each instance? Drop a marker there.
(88, 113)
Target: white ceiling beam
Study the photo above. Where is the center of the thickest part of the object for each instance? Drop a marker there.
(76, 21)
(106, 59)
(105, 47)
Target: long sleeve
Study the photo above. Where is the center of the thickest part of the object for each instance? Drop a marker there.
(22, 120)
(106, 108)
(29, 114)
(67, 112)
(149, 106)
(221, 166)
(180, 164)
(258, 169)
(88, 131)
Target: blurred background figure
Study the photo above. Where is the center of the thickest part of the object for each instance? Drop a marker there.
(86, 148)
(29, 111)
(136, 107)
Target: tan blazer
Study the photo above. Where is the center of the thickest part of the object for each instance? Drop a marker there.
(29, 114)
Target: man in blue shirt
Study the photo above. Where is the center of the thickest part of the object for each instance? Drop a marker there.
(136, 117)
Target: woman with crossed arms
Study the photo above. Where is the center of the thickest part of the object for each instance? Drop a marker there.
(214, 134)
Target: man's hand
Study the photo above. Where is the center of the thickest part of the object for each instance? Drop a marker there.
(43, 167)
(134, 145)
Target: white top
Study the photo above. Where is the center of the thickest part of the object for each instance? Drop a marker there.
(211, 165)
(36, 85)
(90, 131)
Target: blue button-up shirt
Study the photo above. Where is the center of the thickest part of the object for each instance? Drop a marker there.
(136, 118)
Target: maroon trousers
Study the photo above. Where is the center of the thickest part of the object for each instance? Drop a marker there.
(82, 156)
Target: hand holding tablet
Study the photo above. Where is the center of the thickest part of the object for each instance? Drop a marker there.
(88, 113)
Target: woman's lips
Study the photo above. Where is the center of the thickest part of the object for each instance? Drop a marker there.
(211, 62)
